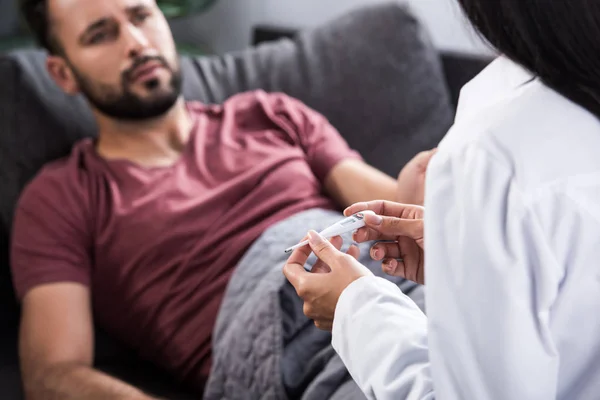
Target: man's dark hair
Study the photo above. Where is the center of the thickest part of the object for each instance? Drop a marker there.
(558, 41)
(36, 15)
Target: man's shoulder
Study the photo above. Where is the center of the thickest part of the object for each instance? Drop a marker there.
(267, 100)
(60, 178)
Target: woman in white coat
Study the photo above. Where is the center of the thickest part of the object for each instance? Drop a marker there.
(511, 257)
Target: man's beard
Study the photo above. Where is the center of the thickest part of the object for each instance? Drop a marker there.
(127, 106)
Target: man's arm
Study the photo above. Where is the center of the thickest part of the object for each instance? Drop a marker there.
(56, 347)
(352, 181)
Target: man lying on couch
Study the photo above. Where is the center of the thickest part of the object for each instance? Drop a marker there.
(144, 226)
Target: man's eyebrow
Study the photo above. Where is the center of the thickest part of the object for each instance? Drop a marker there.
(100, 23)
(136, 8)
(95, 25)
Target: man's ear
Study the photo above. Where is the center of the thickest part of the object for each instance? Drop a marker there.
(61, 72)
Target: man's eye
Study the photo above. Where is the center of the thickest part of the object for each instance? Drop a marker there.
(98, 37)
(139, 18)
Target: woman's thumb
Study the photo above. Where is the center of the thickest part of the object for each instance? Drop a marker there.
(323, 248)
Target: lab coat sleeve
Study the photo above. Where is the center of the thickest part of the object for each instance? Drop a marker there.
(491, 281)
(381, 336)
(488, 298)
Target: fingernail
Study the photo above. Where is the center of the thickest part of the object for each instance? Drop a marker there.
(314, 237)
(373, 219)
(377, 254)
(391, 265)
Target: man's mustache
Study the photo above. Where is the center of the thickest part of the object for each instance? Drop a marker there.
(140, 61)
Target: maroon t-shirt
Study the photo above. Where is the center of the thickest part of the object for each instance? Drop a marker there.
(157, 246)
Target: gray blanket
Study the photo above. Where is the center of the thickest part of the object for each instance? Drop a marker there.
(263, 347)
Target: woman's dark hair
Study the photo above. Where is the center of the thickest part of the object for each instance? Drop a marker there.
(36, 15)
(557, 40)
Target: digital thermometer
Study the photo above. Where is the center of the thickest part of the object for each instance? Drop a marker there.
(349, 224)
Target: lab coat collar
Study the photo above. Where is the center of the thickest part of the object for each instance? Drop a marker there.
(497, 81)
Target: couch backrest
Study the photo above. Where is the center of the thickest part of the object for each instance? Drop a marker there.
(373, 73)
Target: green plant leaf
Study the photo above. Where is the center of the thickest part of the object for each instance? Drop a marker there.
(180, 8)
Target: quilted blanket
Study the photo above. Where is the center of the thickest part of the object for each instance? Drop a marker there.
(263, 346)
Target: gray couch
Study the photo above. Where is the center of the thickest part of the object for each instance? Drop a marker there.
(372, 73)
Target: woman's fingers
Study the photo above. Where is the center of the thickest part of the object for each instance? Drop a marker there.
(404, 260)
(354, 251)
(386, 208)
(379, 251)
(411, 257)
(394, 267)
(366, 234)
(394, 227)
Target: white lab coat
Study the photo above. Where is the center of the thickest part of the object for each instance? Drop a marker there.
(512, 250)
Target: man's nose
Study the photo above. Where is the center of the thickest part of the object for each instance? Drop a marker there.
(136, 41)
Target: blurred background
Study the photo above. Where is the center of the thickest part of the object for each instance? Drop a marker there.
(220, 26)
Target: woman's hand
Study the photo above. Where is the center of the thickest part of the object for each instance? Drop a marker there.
(330, 276)
(400, 226)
